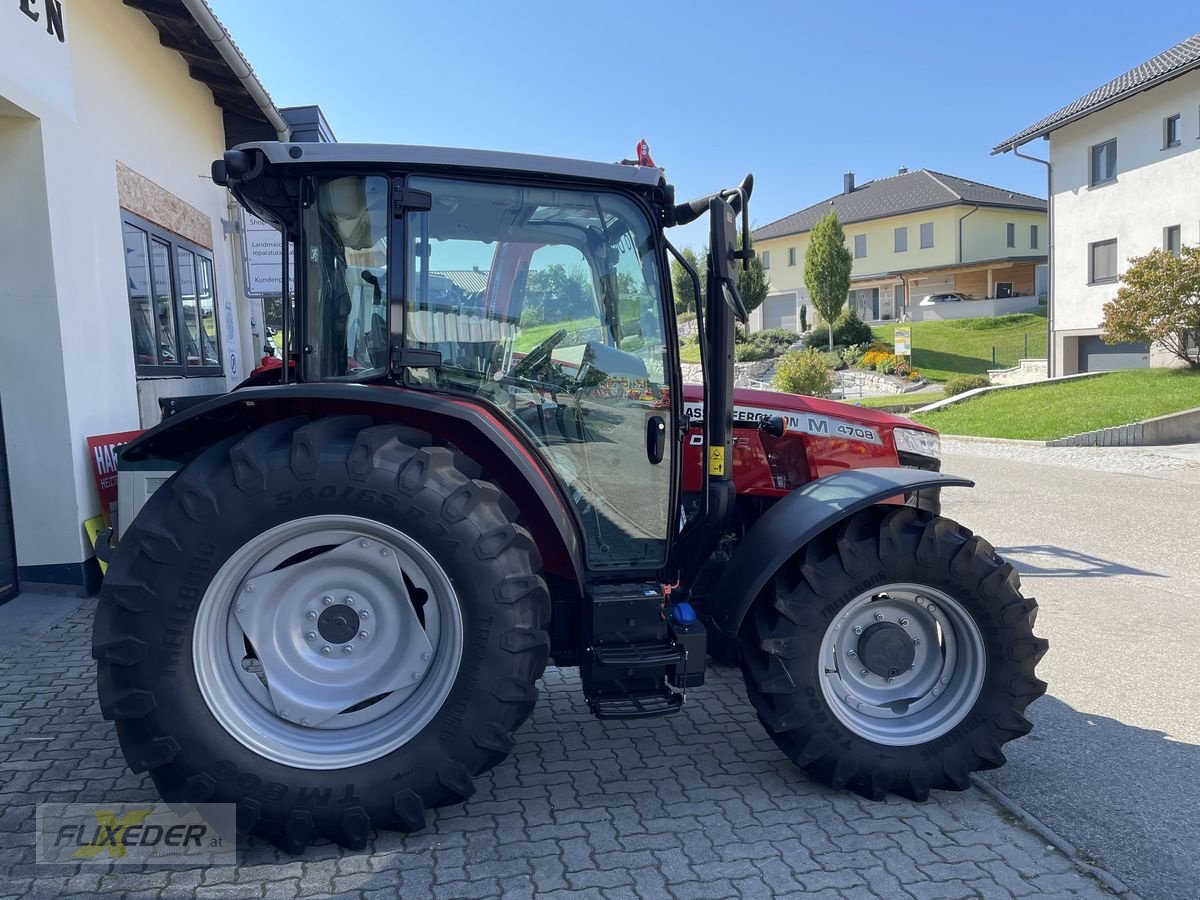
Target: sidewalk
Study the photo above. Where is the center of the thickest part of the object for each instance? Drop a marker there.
(700, 805)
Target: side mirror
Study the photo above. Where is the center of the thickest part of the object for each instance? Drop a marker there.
(723, 254)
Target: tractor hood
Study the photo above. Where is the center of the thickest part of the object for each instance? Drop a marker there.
(749, 403)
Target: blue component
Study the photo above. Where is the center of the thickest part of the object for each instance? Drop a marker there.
(682, 613)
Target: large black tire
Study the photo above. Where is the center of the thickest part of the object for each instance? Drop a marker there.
(282, 472)
(782, 642)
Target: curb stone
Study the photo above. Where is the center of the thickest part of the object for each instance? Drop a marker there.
(1044, 831)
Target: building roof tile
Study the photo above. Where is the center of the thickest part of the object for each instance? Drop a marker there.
(904, 193)
(1178, 60)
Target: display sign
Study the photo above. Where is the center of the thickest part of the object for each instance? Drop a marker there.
(262, 252)
(903, 341)
(102, 449)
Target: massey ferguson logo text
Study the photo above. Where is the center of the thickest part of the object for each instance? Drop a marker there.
(135, 834)
(799, 423)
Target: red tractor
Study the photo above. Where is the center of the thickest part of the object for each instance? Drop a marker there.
(335, 588)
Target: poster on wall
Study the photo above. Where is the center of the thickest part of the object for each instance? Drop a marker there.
(262, 252)
(903, 341)
(102, 450)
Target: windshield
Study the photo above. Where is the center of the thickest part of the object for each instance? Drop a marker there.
(546, 303)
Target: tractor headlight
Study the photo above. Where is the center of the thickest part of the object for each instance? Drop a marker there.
(923, 443)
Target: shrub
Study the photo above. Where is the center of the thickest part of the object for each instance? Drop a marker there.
(750, 352)
(852, 354)
(872, 358)
(961, 383)
(804, 372)
(848, 329)
(685, 317)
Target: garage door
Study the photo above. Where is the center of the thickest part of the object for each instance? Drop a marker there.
(8, 550)
(1097, 356)
(779, 311)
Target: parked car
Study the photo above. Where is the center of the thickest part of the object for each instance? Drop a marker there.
(934, 299)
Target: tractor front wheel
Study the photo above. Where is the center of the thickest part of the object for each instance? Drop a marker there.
(894, 653)
(331, 624)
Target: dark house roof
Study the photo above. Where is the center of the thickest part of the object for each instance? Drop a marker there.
(899, 194)
(247, 117)
(1179, 60)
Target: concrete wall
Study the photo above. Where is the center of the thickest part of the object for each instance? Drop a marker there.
(109, 93)
(1154, 188)
(972, 309)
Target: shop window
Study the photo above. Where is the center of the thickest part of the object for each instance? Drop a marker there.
(172, 302)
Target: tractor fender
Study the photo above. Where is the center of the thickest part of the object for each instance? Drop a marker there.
(796, 519)
(478, 432)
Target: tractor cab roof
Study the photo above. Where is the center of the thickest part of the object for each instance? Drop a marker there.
(275, 158)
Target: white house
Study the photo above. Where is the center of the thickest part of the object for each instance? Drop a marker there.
(1124, 178)
(121, 259)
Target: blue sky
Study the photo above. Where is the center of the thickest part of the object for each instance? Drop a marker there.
(796, 92)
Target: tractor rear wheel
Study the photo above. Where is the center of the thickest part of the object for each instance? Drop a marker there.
(894, 653)
(329, 623)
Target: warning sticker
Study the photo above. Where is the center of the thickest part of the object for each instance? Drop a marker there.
(716, 460)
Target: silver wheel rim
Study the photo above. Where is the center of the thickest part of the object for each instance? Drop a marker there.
(327, 642)
(927, 698)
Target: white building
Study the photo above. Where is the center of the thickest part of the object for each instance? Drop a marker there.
(121, 277)
(1124, 179)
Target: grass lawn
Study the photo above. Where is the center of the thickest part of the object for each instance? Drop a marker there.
(916, 397)
(533, 335)
(1042, 412)
(964, 346)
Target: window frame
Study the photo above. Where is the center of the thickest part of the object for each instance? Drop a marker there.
(928, 246)
(900, 239)
(175, 242)
(1092, 279)
(863, 238)
(1178, 232)
(1033, 237)
(1092, 180)
(766, 260)
(1010, 235)
(791, 256)
(1168, 144)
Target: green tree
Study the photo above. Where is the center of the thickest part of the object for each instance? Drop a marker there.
(753, 283)
(681, 281)
(827, 265)
(1158, 303)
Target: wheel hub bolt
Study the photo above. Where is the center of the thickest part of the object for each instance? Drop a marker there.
(306, 721)
(364, 614)
(416, 676)
(312, 636)
(364, 635)
(327, 600)
(312, 613)
(916, 642)
(878, 617)
(385, 552)
(364, 544)
(249, 588)
(349, 648)
(852, 653)
(283, 714)
(904, 623)
(425, 656)
(936, 691)
(863, 673)
(326, 649)
(349, 601)
(858, 629)
(890, 679)
(945, 679)
(241, 608)
(932, 608)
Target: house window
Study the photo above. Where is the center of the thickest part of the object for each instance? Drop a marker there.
(1171, 240)
(766, 254)
(1033, 237)
(926, 235)
(901, 240)
(1102, 267)
(172, 302)
(1172, 131)
(1104, 162)
(791, 256)
(860, 246)
(1011, 233)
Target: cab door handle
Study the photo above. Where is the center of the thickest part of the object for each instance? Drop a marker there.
(656, 439)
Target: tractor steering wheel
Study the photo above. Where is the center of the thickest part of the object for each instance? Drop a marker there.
(537, 357)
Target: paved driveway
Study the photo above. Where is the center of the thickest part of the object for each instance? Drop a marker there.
(700, 805)
(1108, 540)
